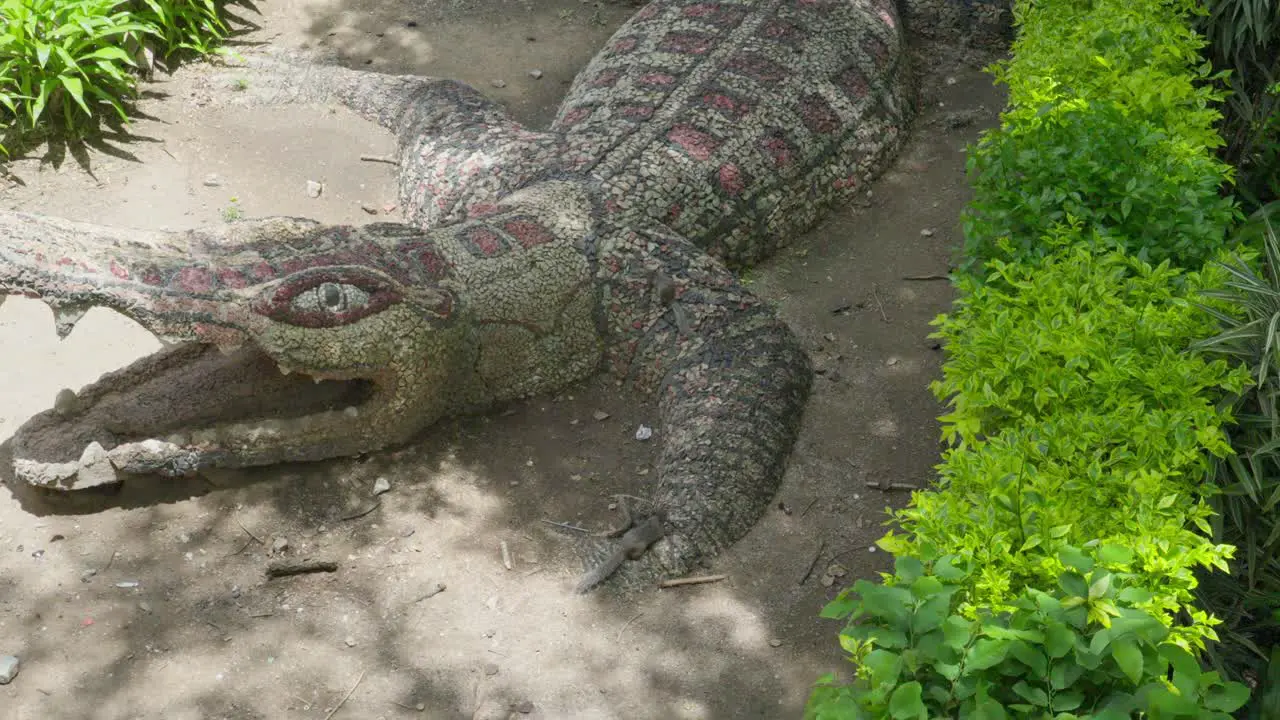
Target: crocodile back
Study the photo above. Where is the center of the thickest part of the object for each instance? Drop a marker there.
(736, 123)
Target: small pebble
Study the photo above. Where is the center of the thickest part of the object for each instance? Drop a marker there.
(314, 189)
(891, 361)
(87, 575)
(212, 180)
(600, 415)
(280, 544)
(350, 641)
(524, 708)
(145, 606)
(644, 432)
(498, 83)
(535, 74)
(381, 485)
(775, 643)
(9, 666)
(490, 668)
(927, 232)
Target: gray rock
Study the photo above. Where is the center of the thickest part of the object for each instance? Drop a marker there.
(9, 665)
(381, 485)
(535, 74)
(498, 83)
(314, 189)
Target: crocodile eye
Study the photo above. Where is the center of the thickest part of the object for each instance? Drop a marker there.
(328, 297)
(331, 297)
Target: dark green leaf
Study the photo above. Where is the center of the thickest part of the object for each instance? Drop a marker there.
(905, 702)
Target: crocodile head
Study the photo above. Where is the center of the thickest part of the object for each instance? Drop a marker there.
(286, 340)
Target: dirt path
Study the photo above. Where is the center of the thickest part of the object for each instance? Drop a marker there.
(152, 603)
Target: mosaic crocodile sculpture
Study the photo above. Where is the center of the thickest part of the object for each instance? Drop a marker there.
(702, 138)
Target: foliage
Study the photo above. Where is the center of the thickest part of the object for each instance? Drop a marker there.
(1082, 425)
(1244, 47)
(1096, 406)
(71, 60)
(1248, 509)
(1110, 123)
(1084, 650)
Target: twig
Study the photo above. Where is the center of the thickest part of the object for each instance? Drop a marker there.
(376, 504)
(879, 304)
(210, 624)
(566, 525)
(506, 554)
(344, 697)
(627, 625)
(439, 588)
(813, 563)
(880, 485)
(109, 561)
(806, 507)
(284, 569)
(389, 159)
(691, 581)
(244, 547)
(262, 614)
(248, 532)
(925, 277)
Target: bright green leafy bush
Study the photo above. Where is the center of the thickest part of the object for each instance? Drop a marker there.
(1053, 572)
(1110, 123)
(1081, 650)
(1070, 392)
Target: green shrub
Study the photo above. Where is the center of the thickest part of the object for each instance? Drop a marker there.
(1248, 508)
(1070, 391)
(1110, 124)
(1083, 650)
(65, 55)
(71, 60)
(1244, 46)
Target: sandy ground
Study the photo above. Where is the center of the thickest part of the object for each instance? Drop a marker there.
(152, 603)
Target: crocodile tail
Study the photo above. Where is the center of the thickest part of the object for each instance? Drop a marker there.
(459, 151)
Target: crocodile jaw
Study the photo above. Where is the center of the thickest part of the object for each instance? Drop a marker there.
(191, 407)
(223, 398)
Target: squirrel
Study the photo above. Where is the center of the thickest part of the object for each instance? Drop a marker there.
(636, 539)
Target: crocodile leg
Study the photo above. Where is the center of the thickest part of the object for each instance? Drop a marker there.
(731, 389)
(459, 151)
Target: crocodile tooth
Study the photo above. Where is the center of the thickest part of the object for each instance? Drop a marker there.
(65, 318)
